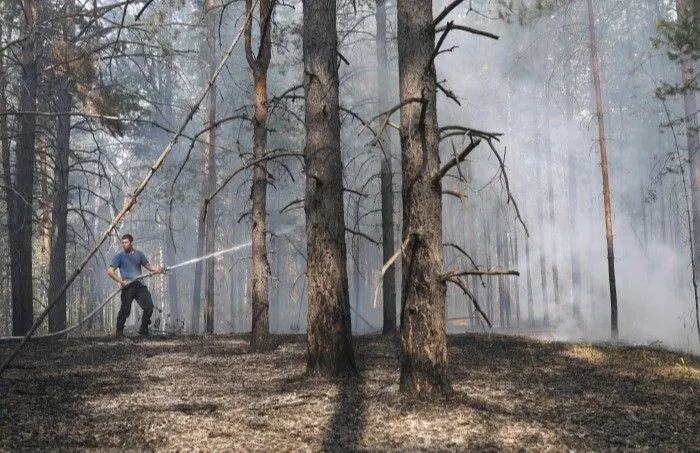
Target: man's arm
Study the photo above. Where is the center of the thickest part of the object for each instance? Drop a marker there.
(155, 269)
(112, 272)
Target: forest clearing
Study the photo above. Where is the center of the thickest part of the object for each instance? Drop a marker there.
(209, 393)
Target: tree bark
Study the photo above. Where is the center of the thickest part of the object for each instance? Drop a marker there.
(59, 210)
(423, 339)
(386, 175)
(607, 203)
(22, 195)
(329, 325)
(259, 64)
(690, 86)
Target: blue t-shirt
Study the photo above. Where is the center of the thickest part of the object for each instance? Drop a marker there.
(129, 264)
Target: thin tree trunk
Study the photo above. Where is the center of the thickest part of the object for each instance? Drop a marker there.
(22, 195)
(530, 300)
(552, 217)
(539, 143)
(423, 339)
(259, 64)
(604, 169)
(386, 176)
(210, 165)
(329, 325)
(693, 139)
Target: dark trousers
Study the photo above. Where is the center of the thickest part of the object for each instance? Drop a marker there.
(139, 291)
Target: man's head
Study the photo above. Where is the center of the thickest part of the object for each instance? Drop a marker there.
(127, 242)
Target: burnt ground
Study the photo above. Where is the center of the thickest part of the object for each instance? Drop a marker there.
(211, 394)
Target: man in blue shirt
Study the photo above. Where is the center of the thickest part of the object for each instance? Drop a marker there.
(129, 262)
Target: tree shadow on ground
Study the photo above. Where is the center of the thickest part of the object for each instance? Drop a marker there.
(590, 404)
(346, 429)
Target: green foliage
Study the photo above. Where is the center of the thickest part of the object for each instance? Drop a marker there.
(682, 33)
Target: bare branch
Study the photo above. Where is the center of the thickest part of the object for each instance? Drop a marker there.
(492, 271)
(505, 181)
(388, 264)
(361, 234)
(456, 160)
(468, 30)
(445, 12)
(291, 204)
(449, 93)
(471, 296)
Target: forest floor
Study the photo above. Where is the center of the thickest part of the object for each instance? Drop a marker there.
(211, 394)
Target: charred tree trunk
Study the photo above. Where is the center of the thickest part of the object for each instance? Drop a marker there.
(21, 195)
(604, 169)
(59, 211)
(259, 64)
(423, 338)
(386, 176)
(329, 325)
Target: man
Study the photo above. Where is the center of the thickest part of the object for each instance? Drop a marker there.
(129, 262)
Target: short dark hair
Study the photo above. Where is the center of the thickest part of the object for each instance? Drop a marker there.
(129, 237)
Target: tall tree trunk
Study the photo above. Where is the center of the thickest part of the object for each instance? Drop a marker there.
(259, 64)
(539, 143)
(205, 227)
(210, 165)
(551, 205)
(423, 338)
(176, 316)
(6, 172)
(690, 85)
(386, 175)
(604, 169)
(59, 211)
(329, 326)
(22, 195)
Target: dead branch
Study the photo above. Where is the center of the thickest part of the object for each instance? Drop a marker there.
(387, 114)
(471, 296)
(448, 93)
(492, 271)
(474, 31)
(445, 12)
(388, 264)
(361, 234)
(143, 8)
(438, 45)
(450, 244)
(291, 204)
(507, 184)
(456, 160)
(455, 194)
